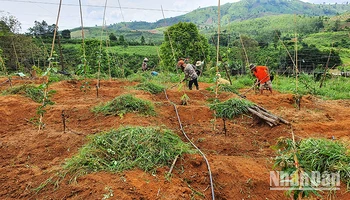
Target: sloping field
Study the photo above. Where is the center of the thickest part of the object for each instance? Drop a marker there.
(240, 160)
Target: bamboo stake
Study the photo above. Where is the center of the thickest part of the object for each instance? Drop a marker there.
(46, 80)
(108, 59)
(171, 44)
(160, 59)
(217, 63)
(245, 52)
(15, 51)
(172, 166)
(82, 36)
(325, 71)
(296, 58)
(100, 59)
(296, 161)
(61, 54)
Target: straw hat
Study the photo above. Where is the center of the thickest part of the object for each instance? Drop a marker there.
(198, 63)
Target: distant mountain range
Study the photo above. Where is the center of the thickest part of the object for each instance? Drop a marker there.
(239, 11)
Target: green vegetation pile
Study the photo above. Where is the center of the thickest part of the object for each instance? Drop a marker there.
(35, 93)
(151, 87)
(231, 108)
(146, 148)
(125, 104)
(314, 154)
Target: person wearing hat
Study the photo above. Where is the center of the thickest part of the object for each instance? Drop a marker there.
(198, 64)
(144, 64)
(263, 77)
(190, 73)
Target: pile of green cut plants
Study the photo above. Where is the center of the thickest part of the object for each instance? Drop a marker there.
(146, 148)
(231, 108)
(126, 103)
(151, 87)
(35, 93)
(314, 154)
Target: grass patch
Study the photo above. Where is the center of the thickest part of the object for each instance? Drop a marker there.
(321, 155)
(153, 88)
(231, 108)
(223, 88)
(125, 104)
(35, 93)
(333, 88)
(140, 77)
(146, 148)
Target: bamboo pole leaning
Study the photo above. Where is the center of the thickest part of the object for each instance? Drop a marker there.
(266, 116)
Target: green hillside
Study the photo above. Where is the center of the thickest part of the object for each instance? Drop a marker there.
(264, 28)
(239, 11)
(151, 36)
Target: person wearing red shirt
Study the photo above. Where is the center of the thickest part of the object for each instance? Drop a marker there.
(263, 76)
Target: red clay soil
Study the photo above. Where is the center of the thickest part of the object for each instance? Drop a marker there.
(240, 160)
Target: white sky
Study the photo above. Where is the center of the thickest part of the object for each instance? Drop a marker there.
(27, 11)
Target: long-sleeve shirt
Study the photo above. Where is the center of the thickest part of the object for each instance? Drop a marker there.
(144, 66)
(190, 72)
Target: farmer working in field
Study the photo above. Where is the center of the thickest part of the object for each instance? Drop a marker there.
(144, 64)
(263, 77)
(190, 73)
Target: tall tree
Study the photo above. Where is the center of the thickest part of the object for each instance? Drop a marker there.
(9, 23)
(42, 29)
(4, 29)
(183, 40)
(121, 40)
(66, 34)
(112, 37)
(142, 40)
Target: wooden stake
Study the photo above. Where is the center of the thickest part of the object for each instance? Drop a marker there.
(172, 166)
(63, 121)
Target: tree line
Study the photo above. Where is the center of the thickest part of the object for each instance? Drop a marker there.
(23, 52)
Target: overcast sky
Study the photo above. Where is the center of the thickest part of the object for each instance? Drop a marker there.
(28, 11)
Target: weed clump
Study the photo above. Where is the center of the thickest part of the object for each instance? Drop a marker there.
(146, 148)
(35, 93)
(231, 108)
(314, 155)
(124, 104)
(150, 87)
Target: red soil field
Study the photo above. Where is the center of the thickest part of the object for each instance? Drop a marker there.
(240, 160)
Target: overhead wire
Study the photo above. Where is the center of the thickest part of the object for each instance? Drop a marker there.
(121, 12)
(97, 6)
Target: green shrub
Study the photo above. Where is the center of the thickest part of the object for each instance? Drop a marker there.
(124, 104)
(146, 148)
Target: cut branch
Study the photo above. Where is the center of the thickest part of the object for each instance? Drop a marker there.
(268, 117)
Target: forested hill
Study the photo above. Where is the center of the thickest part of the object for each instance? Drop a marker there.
(239, 11)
